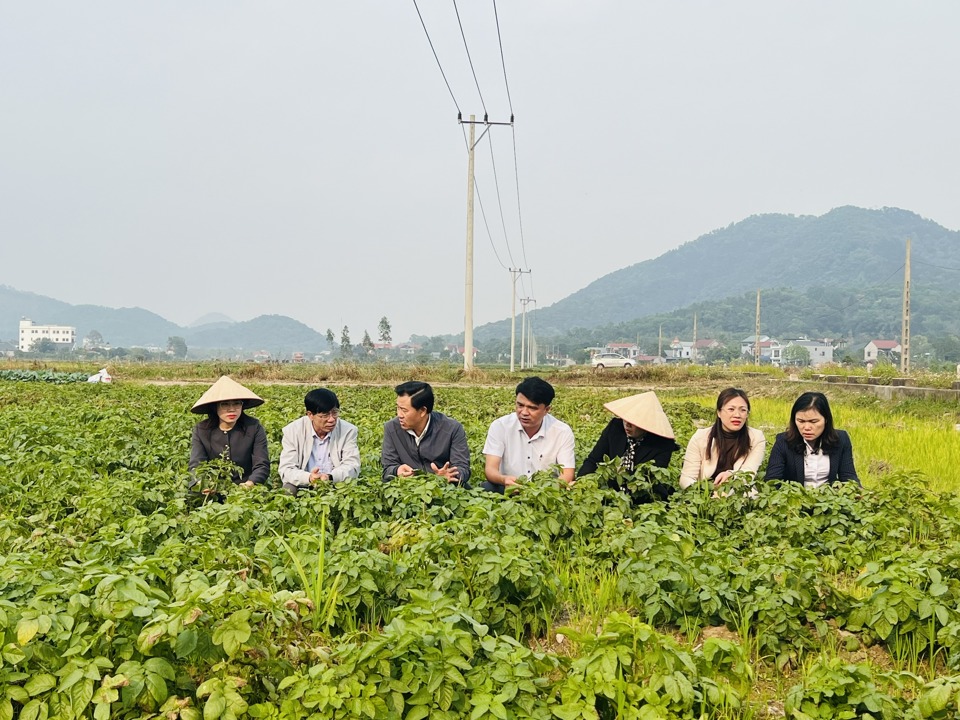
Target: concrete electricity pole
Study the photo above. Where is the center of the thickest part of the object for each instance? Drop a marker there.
(468, 280)
(523, 333)
(756, 346)
(905, 328)
(514, 274)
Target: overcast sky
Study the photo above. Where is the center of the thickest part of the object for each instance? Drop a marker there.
(304, 158)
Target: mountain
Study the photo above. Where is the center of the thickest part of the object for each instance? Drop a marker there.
(848, 248)
(136, 327)
(211, 319)
(275, 333)
(119, 326)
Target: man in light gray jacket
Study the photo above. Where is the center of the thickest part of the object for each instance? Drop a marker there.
(318, 447)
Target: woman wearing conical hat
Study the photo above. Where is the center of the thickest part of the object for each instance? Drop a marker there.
(229, 429)
(640, 433)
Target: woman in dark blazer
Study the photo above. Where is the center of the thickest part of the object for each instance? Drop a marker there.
(640, 433)
(812, 451)
(228, 429)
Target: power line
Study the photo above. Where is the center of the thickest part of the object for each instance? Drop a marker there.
(488, 125)
(516, 177)
(496, 17)
(860, 297)
(483, 214)
(447, 82)
(470, 59)
(496, 183)
(939, 267)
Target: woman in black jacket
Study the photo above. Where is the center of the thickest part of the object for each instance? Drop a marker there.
(812, 451)
(229, 432)
(640, 433)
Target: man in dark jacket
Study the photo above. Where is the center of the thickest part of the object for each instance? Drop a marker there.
(419, 438)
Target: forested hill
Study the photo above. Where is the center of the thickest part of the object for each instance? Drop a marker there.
(848, 249)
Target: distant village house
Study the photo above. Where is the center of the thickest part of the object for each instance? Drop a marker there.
(62, 335)
(877, 349)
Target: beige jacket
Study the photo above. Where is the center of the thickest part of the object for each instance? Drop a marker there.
(697, 467)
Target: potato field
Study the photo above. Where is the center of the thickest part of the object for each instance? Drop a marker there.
(124, 596)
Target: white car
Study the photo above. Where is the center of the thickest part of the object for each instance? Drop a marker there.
(611, 360)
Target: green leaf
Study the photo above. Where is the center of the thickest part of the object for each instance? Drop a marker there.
(80, 697)
(186, 643)
(943, 614)
(13, 654)
(33, 710)
(156, 686)
(71, 679)
(26, 629)
(214, 706)
(233, 632)
(40, 684)
(417, 712)
(569, 711)
(882, 628)
(160, 667)
(934, 700)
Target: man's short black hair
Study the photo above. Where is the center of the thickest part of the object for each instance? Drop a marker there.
(420, 394)
(536, 390)
(320, 400)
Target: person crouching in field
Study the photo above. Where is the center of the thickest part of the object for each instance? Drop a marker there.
(528, 440)
(639, 433)
(421, 439)
(728, 446)
(229, 432)
(812, 451)
(318, 447)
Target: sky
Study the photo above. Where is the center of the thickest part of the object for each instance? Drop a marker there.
(305, 158)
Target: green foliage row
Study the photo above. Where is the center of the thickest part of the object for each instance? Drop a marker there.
(122, 598)
(48, 376)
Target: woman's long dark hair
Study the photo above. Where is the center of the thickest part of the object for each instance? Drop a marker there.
(828, 438)
(730, 446)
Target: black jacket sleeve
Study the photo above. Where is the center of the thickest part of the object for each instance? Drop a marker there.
(600, 450)
(779, 465)
(846, 472)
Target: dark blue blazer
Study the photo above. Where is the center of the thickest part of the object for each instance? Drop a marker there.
(785, 464)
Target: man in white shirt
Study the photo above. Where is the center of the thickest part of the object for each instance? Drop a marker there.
(318, 447)
(528, 440)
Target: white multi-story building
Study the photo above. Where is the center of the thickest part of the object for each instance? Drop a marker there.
(59, 334)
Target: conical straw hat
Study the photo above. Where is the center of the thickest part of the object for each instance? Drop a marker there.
(644, 411)
(226, 388)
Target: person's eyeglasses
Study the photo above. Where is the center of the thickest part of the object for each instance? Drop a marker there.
(335, 413)
(227, 404)
(736, 410)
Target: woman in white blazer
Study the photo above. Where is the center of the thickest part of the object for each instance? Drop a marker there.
(728, 446)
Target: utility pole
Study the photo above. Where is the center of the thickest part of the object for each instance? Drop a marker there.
(523, 333)
(693, 350)
(514, 274)
(660, 342)
(756, 337)
(468, 280)
(905, 328)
